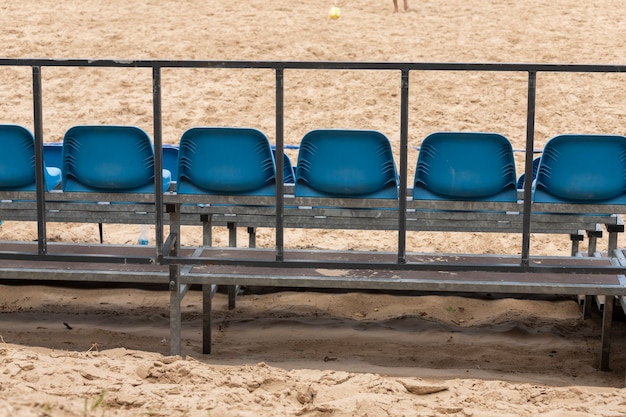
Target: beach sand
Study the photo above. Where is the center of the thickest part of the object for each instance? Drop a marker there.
(78, 351)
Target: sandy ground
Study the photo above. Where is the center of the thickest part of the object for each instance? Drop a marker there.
(305, 353)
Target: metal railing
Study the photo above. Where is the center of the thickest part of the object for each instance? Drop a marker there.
(279, 67)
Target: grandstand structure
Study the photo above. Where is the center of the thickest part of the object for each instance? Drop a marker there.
(577, 196)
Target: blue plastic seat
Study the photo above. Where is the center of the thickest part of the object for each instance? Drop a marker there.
(170, 159)
(522, 178)
(225, 161)
(17, 161)
(346, 163)
(589, 169)
(53, 154)
(288, 171)
(109, 159)
(465, 166)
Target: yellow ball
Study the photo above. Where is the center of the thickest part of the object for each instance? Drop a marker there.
(334, 13)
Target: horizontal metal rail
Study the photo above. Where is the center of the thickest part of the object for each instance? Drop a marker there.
(316, 65)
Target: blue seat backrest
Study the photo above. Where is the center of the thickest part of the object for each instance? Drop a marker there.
(522, 178)
(170, 159)
(462, 166)
(226, 161)
(582, 169)
(288, 172)
(101, 158)
(346, 163)
(53, 154)
(17, 161)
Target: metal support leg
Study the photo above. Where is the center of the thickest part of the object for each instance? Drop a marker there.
(207, 231)
(176, 293)
(614, 230)
(593, 236)
(175, 310)
(232, 235)
(207, 290)
(251, 237)
(607, 322)
(584, 300)
(576, 238)
(232, 296)
(232, 289)
(612, 243)
(207, 317)
(586, 305)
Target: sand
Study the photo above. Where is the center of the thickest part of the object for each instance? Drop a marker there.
(104, 351)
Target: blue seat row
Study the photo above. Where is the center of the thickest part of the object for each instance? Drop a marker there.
(331, 163)
(574, 169)
(451, 166)
(91, 158)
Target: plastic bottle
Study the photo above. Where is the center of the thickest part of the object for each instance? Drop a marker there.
(144, 233)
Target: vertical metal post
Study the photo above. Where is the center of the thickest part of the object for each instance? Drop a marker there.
(252, 237)
(158, 159)
(280, 194)
(528, 170)
(232, 243)
(42, 243)
(612, 244)
(592, 236)
(576, 238)
(207, 289)
(175, 286)
(404, 149)
(614, 230)
(207, 230)
(232, 234)
(175, 310)
(207, 317)
(607, 323)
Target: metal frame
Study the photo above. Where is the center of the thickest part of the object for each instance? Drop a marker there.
(405, 68)
(284, 211)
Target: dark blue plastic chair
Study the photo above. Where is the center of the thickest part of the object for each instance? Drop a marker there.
(17, 161)
(346, 163)
(465, 166)
(589, 169)
(110, 159)
(53, 154)
(225, 161)
(170, 159)
(522, 178)
(288, 171)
